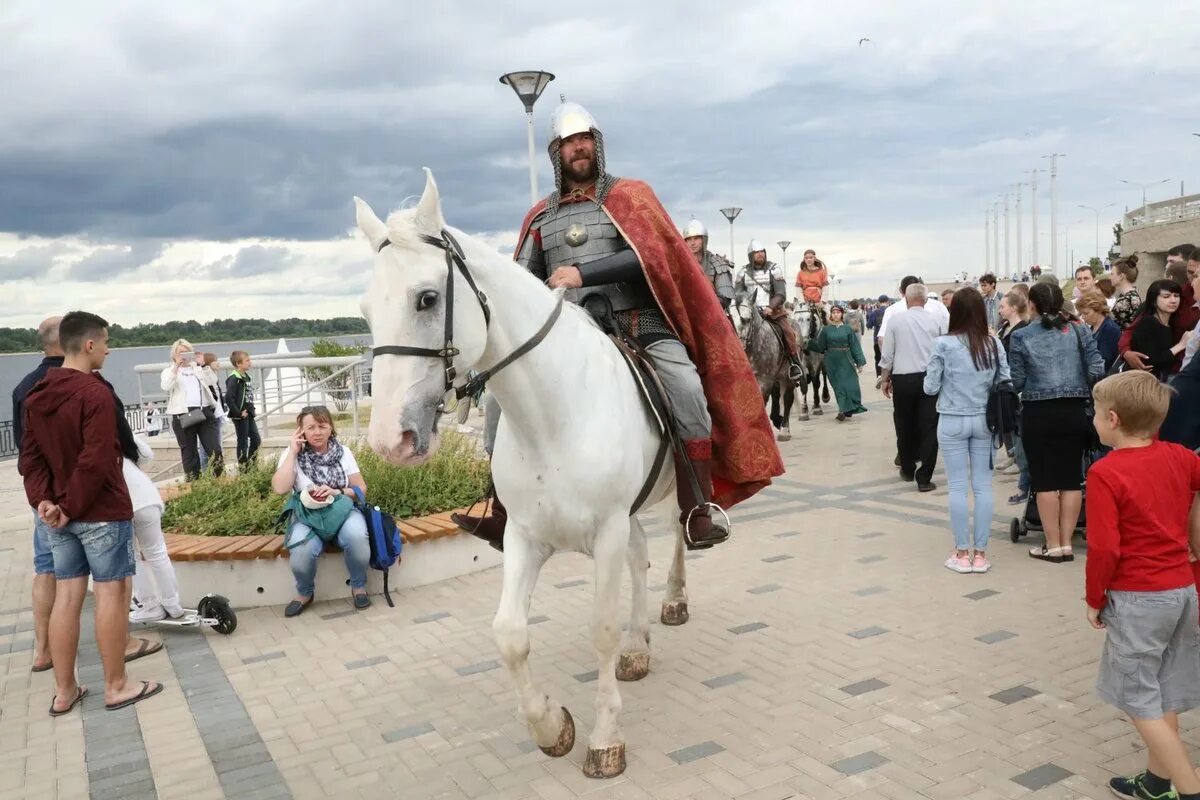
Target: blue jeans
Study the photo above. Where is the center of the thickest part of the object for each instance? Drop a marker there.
(351, 537)
(964, 439)
(103, 549)
(43, 557)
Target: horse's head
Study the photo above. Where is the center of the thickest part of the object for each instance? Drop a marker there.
(406, 307)
(743, 314)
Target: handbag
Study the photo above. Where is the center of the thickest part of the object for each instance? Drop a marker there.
(384, 537)
(1091, 439)
(1003, 404)
(192, 418)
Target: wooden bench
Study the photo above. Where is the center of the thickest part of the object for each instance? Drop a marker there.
(189, 547)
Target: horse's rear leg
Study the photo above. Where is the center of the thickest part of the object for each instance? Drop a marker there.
(789, 397)
(551, 725)
(675, 603)
(606, 746)
(634, 662)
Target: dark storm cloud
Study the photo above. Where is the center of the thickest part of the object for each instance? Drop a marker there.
(105, 264)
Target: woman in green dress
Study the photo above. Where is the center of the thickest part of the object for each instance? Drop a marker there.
(843, 360)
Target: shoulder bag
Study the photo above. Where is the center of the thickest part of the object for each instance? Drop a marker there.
(1003, 405)
(1092, 443)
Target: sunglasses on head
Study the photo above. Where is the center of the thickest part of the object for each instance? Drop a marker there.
(313, 409)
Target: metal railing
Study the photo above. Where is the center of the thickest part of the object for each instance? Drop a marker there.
(1164, 212)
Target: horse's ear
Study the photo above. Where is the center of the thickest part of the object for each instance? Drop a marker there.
(429, 210)
(372, 226)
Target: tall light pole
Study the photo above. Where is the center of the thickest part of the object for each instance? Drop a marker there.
(1007, 258)
(1020, 251)
(1033, 173)
(1067, 247)
(987, 239)
(996, 234)
(1054, 157)
(731, 214)
(784, 246)
(1144, 187)
(1097, 212)
(529, 85)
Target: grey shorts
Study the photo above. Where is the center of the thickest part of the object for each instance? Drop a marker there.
(1151, 659)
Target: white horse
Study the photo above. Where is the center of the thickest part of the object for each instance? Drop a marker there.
(574, 447)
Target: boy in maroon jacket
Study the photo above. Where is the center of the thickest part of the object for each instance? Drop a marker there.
(71, 463)
(1140, 586)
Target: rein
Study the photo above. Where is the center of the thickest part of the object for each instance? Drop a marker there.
(456, 260)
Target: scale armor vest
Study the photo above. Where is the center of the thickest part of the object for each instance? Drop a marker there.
(582, 232)
(719, 272)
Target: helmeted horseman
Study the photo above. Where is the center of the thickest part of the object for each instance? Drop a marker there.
(717, 268)
(611, 246)
(761, 283)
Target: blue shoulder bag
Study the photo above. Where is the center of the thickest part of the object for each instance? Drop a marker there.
(384, 536)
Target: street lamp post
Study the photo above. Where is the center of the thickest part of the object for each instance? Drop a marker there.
(1097, 213)
(1007, 259)
(529, 85)
(731, 214)
(1144, 187)
(784, 246)
(1020, 254)
(987, 239)
(1054, 157)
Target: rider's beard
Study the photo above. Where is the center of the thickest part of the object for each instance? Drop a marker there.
(580, 170)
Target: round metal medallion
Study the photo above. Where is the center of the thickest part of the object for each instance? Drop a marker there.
(576, 234)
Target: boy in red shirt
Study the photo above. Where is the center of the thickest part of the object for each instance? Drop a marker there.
(1140, 587)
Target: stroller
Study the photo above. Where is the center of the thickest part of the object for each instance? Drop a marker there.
(1030, 520)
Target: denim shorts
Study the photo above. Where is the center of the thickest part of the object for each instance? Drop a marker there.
(1151, 659)
(43, 559)
(102, 549)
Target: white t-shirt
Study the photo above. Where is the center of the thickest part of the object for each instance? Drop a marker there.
(349, 466)
(192, 387)
(932, 304)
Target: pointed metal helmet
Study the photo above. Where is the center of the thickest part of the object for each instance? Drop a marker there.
(695, 228)
(754, 246)
(567, 120)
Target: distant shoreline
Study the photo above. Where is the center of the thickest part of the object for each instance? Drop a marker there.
(168, 345)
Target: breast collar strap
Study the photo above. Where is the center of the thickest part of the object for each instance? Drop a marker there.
(456, 260)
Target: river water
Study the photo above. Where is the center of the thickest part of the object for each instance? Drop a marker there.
(118, 368)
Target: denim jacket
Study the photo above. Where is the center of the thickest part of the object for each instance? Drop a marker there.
(1046, 362)
(961, 389)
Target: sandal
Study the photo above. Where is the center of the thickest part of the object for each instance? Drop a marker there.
(1068, 555)
(1043, 554)
(43, 668)
(137, 698)
(145, 648)
(80, 693)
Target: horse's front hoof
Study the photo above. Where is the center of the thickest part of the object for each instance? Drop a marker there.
(633, 666)
(566, 737)
(606, 762)
(674, 613)
(817, 412)
(803, 418)
(785, 436)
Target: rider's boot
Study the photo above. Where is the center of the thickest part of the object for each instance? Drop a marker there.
(490, 528)
(795, 369)
(701, 531)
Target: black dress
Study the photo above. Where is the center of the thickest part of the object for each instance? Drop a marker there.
(1155, 340)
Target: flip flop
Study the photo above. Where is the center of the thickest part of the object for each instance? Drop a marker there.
(137, 698)
(146, 648)
(42, 668)
(80, 693)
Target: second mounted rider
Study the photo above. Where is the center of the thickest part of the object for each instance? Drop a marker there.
(812, 277)
(717, 268)
(761, 284)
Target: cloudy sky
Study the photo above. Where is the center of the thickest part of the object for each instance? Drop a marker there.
(168, 160)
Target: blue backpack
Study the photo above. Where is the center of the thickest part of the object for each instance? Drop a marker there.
(384, 536)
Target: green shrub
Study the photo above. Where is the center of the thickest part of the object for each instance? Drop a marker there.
(245, 505)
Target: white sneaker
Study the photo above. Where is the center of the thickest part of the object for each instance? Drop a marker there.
(147, 614)
(959, 564)
(980, 563)
(175, 611)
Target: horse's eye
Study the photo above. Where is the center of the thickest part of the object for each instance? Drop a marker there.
(427, 300)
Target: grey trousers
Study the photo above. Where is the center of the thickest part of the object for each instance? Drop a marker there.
(680, 379)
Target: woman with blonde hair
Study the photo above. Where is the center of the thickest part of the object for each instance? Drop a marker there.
(192, 409)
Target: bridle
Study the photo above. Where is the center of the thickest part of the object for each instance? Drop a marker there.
(447, 352)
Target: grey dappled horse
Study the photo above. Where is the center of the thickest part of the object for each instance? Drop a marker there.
(808, 322)
(768, 358)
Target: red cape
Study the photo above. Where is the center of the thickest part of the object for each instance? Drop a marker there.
(745, 456)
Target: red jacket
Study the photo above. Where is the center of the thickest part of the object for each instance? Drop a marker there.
(1138, 501)
(70, 454)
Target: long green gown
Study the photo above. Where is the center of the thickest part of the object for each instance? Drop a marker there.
(843, 354)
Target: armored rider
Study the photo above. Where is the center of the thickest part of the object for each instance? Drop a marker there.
(761, 283)
(717, 268)
(609, 244)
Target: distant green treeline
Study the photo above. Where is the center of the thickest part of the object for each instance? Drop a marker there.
(21, 340)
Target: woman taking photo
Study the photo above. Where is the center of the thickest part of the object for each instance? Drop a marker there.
(1054, 363)
(192, 410)
(843, 360)
(964, 365)
(1153, 333)
(1093, 310)
(318, 471)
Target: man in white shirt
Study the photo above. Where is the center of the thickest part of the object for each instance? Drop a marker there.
(906, 350)
(932, 305)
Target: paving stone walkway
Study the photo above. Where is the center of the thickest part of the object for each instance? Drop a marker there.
(829, 654)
